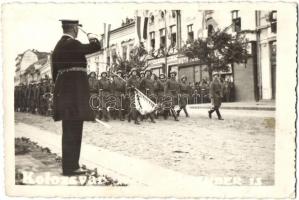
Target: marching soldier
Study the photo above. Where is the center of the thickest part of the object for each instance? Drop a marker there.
(104, 86)
(93, 87)
(185, 90)
(119, 88)
(216, 96)
(71, 92)
(148, 88)
(171, 89)
(132, 83)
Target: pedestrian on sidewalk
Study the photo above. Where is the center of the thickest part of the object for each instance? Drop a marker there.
(216, 96)
(71, 92)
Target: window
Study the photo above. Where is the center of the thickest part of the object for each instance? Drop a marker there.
(190, 32)
(210, 30)
(114, 56)
(236, 21)
(162, 14)
(152, 19)
(108, 60)
(152, 39)
(273, 21)
(162, 38)
(173, 35)
(125, 52)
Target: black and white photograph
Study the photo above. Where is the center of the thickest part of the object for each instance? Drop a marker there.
(149, 100)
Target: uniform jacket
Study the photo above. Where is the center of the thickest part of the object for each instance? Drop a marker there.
(71, 91)
(185, 88)
(216, 92)
(171, 87)
(105, 86)
(147, 85)
(133, 81)
(93, 85)
(118, 86)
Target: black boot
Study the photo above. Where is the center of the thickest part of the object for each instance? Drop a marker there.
(178, 112)
(152, 118)
(186, 113)
(219, 115)
(210, 113)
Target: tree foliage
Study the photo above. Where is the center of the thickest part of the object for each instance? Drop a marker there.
(217, 51)
(137, 59)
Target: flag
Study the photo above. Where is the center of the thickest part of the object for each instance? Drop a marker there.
(106, 35)
(144, 104)
(141, 26)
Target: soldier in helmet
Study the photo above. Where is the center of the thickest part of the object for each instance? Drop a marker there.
(185, 90)
(147, 86)
(171, 89)
(133, 83)
(160, 85)
(216, 96)
(104, 86)
(119, 88)
(93, 87)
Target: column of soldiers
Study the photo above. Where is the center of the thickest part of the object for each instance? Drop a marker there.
(35, 97)
(115, 95)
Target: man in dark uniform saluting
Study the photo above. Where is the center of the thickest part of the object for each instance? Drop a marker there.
(71, 92)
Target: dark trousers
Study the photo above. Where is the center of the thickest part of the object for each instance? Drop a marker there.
(71, 144)
(217, 112)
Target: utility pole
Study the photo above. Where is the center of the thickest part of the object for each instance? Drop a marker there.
(165, 43)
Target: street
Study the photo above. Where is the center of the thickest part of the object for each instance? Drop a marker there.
(240, 146)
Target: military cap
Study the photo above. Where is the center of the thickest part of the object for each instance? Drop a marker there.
(70, 22)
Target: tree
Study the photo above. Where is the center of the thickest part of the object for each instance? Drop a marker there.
(137, 58)
(218, 51)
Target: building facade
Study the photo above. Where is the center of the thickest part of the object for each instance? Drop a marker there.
(31, 66)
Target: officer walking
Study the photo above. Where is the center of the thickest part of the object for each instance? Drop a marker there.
(216, 96)
(184, 95)
(71, 92)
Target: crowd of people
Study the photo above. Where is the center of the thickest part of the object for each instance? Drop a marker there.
(112, 95)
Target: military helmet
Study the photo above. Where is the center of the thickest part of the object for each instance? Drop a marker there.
(184, 77)
(148, 70)
(104, 72)
(162, 75)
(119, 71)
(173, 72)
(142, 72)
(92, 73)
(133, 69)
(215, 73)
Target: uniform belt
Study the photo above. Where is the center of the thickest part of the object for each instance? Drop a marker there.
(72, 69)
